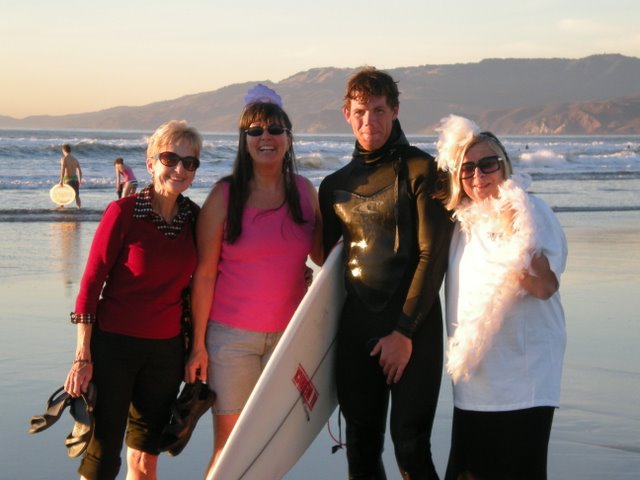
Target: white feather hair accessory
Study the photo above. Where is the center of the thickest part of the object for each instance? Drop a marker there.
(455, 133)
(262, 94)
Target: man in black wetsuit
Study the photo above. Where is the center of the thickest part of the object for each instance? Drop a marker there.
(396, 239)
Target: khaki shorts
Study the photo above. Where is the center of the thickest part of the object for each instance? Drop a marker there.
(237, 357)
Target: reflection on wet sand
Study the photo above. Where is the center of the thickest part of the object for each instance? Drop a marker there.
(65, 240)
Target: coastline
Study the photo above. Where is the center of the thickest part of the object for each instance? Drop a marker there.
(594, 434)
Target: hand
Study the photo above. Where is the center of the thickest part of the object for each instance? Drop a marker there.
(78, 378)
(197, 365)
(308, 276)
(540, 281)
(395, 351)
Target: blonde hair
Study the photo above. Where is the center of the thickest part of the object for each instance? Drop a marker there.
(456, 136)
(171, 133)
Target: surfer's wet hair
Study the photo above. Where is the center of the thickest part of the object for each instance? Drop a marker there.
(370, 82)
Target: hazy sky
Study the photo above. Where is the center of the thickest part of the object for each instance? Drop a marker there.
(71, 56)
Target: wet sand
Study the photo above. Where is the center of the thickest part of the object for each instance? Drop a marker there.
(595, 433)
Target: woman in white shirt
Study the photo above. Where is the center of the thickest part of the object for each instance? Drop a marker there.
(505, 322)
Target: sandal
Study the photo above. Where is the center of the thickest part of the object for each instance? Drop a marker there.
(194, 400)
(58, 401)
(82, 412)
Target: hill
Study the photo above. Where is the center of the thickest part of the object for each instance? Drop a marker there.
(599, 94)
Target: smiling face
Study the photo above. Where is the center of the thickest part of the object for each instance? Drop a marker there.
(268, 149)
(172, 180)
(371, 120)
(481, 185)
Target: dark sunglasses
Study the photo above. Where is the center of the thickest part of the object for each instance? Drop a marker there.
(272, 129)
(486, 165)
(170, 159)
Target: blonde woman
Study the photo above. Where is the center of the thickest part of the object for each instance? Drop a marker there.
(128, 310)
(504, 317)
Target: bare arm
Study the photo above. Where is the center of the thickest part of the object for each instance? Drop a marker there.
(62, 169)
(81, 371)
(210, 230)
(317, 253)
(539, 281)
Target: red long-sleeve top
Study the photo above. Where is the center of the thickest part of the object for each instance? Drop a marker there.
(135, 273)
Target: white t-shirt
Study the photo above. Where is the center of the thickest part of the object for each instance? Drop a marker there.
(522, 367)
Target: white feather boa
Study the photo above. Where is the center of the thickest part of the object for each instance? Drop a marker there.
(505, 226)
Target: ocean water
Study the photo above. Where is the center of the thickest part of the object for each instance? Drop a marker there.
(592, 182)
(572, 173)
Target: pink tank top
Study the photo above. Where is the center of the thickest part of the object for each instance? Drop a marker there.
(127, 174)
(261, 276)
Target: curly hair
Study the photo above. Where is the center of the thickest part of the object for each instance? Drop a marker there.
(370, 82)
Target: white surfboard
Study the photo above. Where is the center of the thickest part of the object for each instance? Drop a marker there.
(296, 393)
(62, 194)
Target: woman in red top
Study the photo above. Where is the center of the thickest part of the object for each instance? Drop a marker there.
(128, 309)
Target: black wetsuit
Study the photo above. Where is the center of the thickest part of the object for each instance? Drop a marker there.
(396, 239)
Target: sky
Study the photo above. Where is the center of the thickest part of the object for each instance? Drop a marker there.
(73, 56)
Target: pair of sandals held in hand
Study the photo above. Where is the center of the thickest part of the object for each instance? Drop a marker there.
(81, 409)
(194, 400)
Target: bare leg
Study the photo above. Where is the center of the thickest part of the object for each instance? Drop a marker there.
(223, 425)
(141, 465)
(129, 189)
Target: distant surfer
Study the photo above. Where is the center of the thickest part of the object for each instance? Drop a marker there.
(126, 182)
(70, 172)
(396, 237)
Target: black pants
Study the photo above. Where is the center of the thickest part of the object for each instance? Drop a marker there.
(137, 380)
(500, 445)
(364, 395)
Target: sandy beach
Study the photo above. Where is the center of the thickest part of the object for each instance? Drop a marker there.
(595, 433)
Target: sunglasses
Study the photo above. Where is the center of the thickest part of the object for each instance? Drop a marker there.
(486, 165)
(170, 159)
(272, 129)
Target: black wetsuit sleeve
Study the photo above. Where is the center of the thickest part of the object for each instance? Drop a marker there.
(434, 229)
(331, 227)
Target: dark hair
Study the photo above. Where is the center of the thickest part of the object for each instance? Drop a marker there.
(242, 172)
(66, 147)
(371, 82)
(118, 160)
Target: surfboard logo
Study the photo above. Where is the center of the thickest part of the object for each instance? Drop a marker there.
(306, 387)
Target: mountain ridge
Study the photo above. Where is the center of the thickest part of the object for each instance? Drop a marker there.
(598, 94)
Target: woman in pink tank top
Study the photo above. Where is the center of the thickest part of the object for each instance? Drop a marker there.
(255, 231)
(128, 184)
